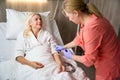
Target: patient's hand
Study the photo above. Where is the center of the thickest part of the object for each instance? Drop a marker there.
(61, 68)
(37, 65)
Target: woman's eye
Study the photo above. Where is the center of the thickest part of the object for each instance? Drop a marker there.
(40, 19)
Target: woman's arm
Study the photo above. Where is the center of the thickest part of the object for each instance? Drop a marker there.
(70, 45)
(22, 60)
(33, 64)
(59, 62)
(57, 59)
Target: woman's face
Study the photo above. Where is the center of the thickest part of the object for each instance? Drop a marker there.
(73, 17)
(36, 22)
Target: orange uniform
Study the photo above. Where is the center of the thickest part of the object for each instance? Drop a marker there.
(102, 48)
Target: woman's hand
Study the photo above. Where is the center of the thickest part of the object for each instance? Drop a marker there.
(36, 65)
(59, 48)
(67, 53)
(61, 68)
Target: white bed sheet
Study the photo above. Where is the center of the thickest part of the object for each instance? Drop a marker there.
(6, 46)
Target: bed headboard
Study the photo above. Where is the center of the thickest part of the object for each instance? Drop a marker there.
(28, 5)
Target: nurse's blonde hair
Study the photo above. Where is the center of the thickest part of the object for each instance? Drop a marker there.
(79, 5)
(28, 27)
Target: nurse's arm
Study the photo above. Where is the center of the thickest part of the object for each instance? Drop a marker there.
(70, 45)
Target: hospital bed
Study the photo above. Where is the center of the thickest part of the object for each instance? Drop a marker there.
(8, 65)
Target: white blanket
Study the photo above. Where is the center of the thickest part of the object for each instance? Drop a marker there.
(9, 69)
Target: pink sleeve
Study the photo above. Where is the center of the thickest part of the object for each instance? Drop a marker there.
(92, 41)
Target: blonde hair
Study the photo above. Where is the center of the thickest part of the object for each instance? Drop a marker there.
(71, 5)
(27, 25)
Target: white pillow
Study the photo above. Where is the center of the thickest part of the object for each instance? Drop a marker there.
(16, 22)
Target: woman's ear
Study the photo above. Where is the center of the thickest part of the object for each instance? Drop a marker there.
(76, 13)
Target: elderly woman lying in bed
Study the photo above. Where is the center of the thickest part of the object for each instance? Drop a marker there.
(35, 51)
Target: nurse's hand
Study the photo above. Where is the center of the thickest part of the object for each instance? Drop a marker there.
(67, 53)
(59, 48)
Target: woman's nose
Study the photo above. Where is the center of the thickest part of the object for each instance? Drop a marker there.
(39, 20)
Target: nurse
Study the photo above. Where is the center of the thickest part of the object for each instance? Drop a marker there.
(96, 37)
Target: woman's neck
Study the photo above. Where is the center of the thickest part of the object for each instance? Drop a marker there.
(85, 18)
(35, 32)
